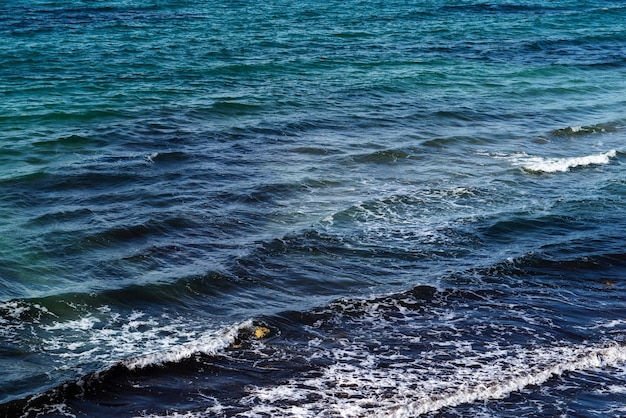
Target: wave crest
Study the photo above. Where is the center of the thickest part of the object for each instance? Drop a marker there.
(580, 359)
(560, 165)
(209, 344)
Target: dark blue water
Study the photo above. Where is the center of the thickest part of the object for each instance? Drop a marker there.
(312, 208)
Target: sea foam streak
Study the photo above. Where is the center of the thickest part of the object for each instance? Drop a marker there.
(560, 165)
(209, 343)
(358, 390)
(573, 360)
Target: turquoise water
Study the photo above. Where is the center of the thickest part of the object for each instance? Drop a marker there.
(422, 202)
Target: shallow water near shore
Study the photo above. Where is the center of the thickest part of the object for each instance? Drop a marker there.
(312, 209)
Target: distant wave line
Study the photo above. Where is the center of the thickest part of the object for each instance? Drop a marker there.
(560, 165)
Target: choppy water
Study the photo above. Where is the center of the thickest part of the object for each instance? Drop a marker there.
(312, 208)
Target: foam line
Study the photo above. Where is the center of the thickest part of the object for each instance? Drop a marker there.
(578, 360)
(561, 165)
(210, 343)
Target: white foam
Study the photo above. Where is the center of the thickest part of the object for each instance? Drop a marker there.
(14, 309)
(560, 165)
(59, 409)
(150, 158)
(208, 343)
(405, 218)
(82, 324)
(569, 360)
(355, 387)
(135, 339)
(617, 389)
(615, 323)
(370, 373)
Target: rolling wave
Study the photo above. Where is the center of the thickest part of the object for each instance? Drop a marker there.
(558, 362)
(580, 130)
(421, 351)
(204, 217)
(536, 164)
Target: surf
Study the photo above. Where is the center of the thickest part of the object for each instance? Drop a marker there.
(538, 164)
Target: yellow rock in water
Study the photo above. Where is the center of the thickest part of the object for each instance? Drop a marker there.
(261, 332)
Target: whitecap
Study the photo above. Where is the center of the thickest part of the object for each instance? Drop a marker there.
(558, 362)
(560, 165)
(355, 390)
(209, 343)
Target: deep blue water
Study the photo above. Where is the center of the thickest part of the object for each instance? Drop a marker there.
(312, 208)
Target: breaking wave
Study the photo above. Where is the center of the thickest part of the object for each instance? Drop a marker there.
(537, 164)
(359, 390)
(555, 363)
(207, 344)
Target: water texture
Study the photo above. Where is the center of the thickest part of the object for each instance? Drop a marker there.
(312, 209)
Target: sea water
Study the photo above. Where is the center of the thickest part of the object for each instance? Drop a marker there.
(305, 208)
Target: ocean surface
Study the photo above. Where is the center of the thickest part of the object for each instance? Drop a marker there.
(312, 208)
